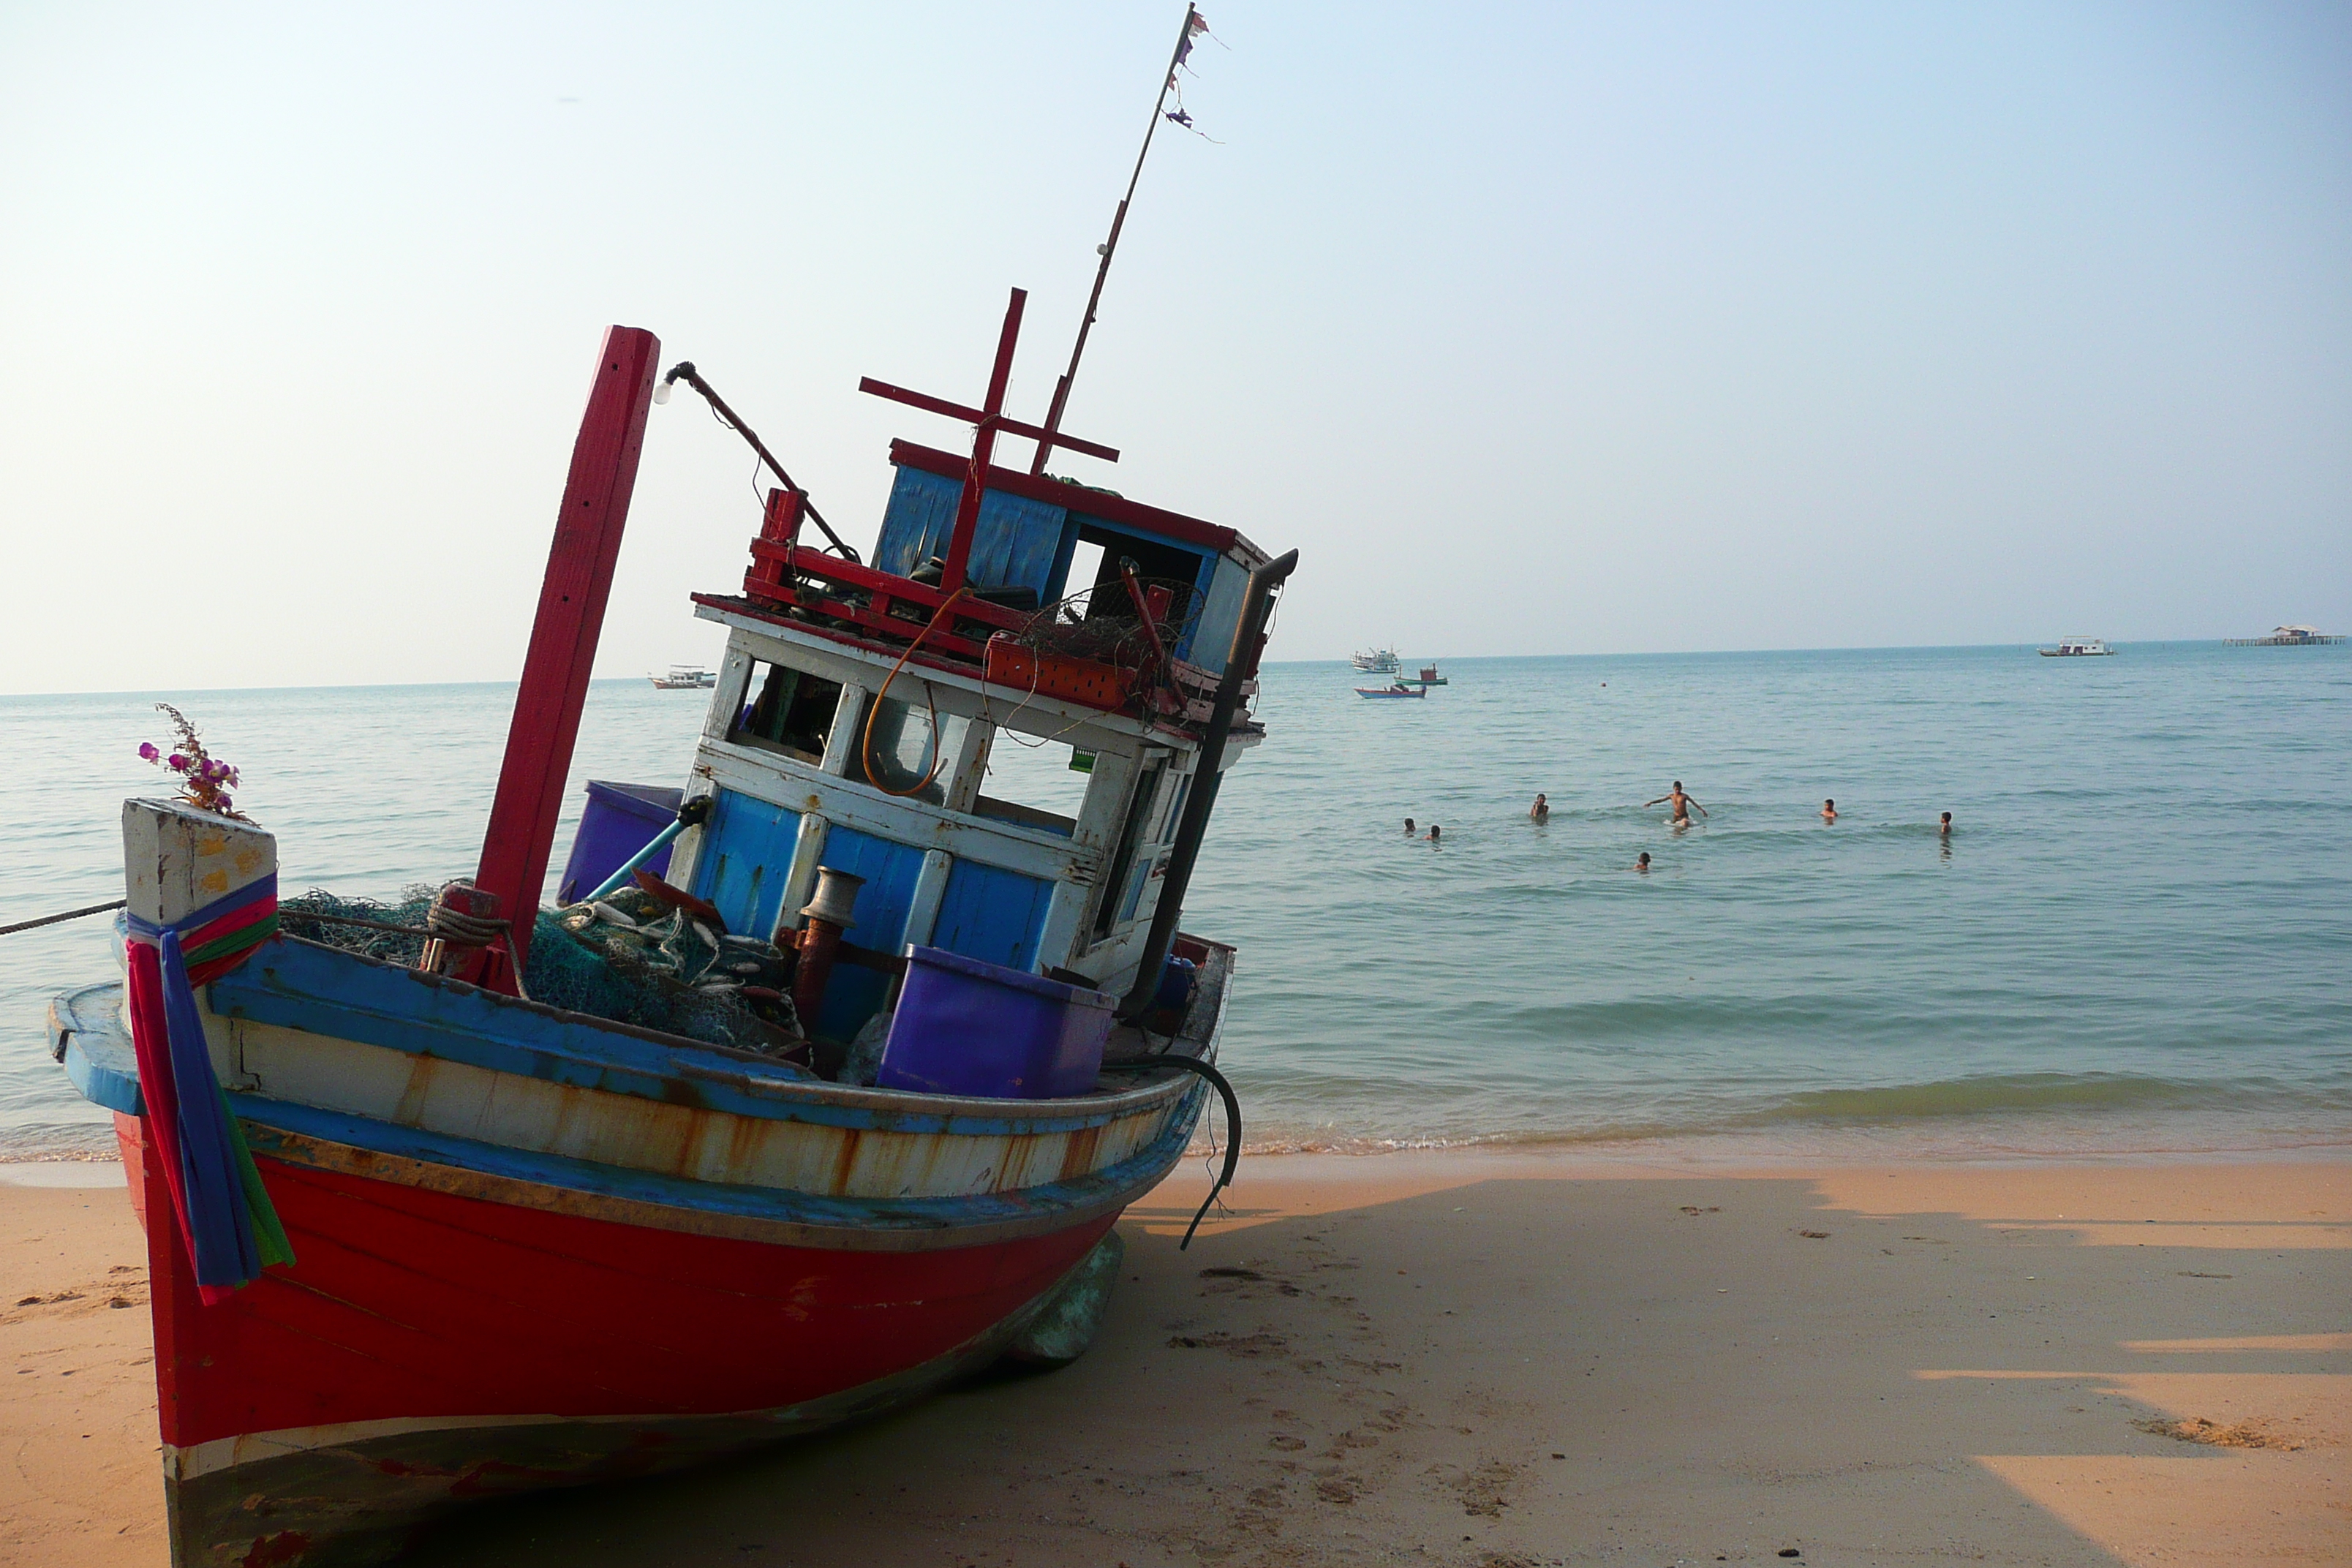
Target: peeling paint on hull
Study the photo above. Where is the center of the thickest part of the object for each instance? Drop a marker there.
(475, 1317)
(429, 1350)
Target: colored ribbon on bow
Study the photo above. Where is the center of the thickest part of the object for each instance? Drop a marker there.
(223, 1211)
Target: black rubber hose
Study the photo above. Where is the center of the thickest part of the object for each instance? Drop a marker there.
(1233, 1121)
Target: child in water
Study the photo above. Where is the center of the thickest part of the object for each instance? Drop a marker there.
(1829, 811)
(1642, 865)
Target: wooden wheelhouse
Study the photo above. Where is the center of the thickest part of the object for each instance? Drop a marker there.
(862, 709)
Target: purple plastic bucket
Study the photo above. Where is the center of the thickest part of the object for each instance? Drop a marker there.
(968, 1027)
(619, 820)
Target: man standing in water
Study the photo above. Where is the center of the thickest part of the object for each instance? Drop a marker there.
(1540, 811)
(1683, 804)
(1829, 811)
(1945, 828)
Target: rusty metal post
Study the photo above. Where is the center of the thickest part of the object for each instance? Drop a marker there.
(832, 911)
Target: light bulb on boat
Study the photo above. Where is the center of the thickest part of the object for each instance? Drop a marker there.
(661, 392)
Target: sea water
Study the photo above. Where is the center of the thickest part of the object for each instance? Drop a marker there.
(2138, 935)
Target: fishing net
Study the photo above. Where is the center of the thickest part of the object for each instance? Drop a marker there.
(626, 958)
(1102, 624)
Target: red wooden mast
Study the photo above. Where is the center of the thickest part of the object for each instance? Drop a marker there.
(563, 641)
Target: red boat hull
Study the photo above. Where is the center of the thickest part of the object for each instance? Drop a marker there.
(430, 1348)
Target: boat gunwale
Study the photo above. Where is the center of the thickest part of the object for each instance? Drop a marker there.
(368, 1148)
(774, 1096)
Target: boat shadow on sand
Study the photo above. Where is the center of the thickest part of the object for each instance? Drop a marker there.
(1508, 1370)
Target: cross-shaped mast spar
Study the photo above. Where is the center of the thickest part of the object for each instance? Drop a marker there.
(986, 420)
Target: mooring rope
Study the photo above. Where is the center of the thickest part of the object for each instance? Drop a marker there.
(53, 920)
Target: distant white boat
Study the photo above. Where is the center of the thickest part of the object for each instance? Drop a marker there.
(1380, 661)
(2076, 647)
(685, 678)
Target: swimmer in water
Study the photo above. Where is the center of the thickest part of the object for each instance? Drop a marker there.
(1642, 865)
(1433, 831)
(1829, 811)
(1945, 827)
(1539, 811)
(1408, 827)
(1683, 805)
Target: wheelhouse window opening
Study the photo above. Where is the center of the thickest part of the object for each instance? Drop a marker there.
(787, 711)
(1153, 561)
(1085, 564)
(1170, 819)
(1115, 897)
(1036, 784)
(903, 750)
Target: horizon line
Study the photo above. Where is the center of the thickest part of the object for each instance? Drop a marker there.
(1274, 663)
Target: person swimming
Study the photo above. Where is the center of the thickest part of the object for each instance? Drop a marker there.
(1642, 865)
(1683, 805)
(1410, 831)
(1829, 811)
(1433, 831)
(1945, 827)
(1540, 811)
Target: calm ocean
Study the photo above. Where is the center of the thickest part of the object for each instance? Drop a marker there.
(2140, 937)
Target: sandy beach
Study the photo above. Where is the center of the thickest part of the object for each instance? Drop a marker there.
(1473, 1359)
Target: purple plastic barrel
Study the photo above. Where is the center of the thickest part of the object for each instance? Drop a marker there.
(965, 1026)
(619, 820)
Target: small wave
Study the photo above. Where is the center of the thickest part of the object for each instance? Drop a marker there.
(1993, 1094)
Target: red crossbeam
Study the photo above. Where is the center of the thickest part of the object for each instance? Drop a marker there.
(930, 404)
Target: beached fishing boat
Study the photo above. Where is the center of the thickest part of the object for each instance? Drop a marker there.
(2076, 647)
(531, 1245)
(685, 678)
(466, 1197)
(1398, 688)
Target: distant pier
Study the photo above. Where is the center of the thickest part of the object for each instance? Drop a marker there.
(2286, 637)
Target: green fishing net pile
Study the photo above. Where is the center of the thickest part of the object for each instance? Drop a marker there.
(627, 959)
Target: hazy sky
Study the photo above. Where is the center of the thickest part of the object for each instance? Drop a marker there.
(1541, 329)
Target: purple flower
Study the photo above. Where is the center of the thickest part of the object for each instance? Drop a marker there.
(225, 802)
(147, 750)
(178, 764)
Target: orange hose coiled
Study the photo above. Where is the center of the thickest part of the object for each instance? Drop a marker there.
(865, 736)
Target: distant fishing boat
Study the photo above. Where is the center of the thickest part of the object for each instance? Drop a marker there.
(845, 1107)
(686, 678)
(1380, 661)
(2076, 647)
(2288, 637)
(1427, 678)
(1397, 689)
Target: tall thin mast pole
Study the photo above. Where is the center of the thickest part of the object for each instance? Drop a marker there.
(1110, 249)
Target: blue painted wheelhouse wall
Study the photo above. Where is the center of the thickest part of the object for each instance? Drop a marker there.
(986, 912)
(1023, 543)
(1017, 544)
(992, 914)
(742, 872)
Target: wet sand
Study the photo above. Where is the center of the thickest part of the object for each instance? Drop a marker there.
(1475, 1359)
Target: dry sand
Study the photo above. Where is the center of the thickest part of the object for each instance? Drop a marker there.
(1475, 1360)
